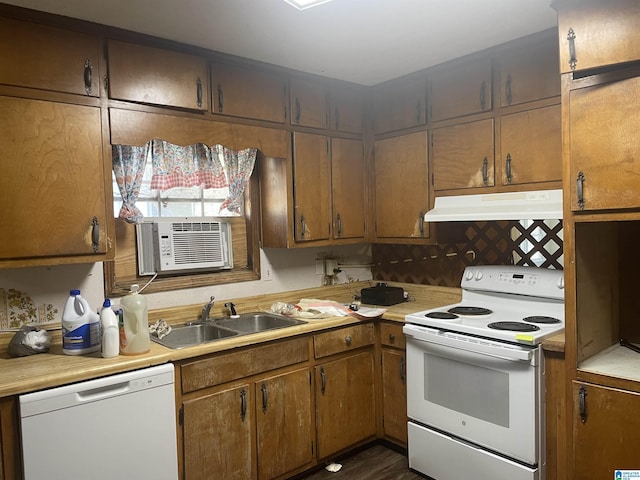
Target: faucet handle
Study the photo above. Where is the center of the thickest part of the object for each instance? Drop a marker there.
(231, 306)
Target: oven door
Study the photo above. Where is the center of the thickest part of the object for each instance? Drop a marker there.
(482, 391)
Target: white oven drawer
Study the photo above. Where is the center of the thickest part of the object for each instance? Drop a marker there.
(445, 458)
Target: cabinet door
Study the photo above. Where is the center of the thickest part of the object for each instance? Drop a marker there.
(53, 168)
(605, 146)
(597, 42)
(461, 90)
(218, 431)
(139, 73)
(10, 451)
(394, 394)
(309, 103)
(463, 155)
(345, 403)
(312, 191)
(401, 187)
(347, 186)
(608, 439)
(346, 109)
(531, 146)
(284, 421)
(48, 58)
(399, 104)
(529, 72)
(243, 92)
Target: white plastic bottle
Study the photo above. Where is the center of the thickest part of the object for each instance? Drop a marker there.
(134, 333)
(80, 326)
(110, 333)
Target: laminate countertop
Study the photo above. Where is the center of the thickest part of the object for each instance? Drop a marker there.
(46, 370)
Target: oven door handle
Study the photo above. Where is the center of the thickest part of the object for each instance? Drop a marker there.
(470, 344)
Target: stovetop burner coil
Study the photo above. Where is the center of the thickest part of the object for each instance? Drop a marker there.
(441, 315)
(464, 310)
(541, 319)
(514, 326)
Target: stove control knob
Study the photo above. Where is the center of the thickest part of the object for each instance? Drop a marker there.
(560, 283)
(469, 274)
(478, 275)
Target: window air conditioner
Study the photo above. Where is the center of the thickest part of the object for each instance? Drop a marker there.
(176, 245)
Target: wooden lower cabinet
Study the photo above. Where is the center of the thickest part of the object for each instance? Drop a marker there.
(10, 461)
(345, 402)
(608, 438)
(394, 383)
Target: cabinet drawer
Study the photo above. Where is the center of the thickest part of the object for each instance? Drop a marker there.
(228, 367)
(391, 335)
(348, 338)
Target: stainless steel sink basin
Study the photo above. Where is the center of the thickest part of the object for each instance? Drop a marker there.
(197, 333)
(255, 322)
(193, 334)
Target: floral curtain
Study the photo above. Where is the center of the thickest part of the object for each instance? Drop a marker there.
(239, 166)
(128, 167)
(196, 165)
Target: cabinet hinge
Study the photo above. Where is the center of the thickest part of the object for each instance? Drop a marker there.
(433, 179)
(181, 416)
(312, 452)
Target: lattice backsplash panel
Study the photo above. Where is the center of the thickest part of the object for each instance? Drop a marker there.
(533, 243)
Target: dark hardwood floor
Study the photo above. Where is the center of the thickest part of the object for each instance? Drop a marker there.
(375, 463)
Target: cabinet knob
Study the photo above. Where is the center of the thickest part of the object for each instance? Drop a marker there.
(392, 338)
(347, 340)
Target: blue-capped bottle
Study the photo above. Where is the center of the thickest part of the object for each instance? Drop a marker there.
(80, 326)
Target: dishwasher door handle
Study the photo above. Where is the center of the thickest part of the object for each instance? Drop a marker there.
(100, 393)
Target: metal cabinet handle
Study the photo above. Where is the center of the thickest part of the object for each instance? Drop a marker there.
(571, 37)
(392, 338)
(483, 92)
(323, 379)
(243, 404)
(220, 98)
(583, 403)
(508, 168)
(263, 388)
(347, 340)
(95, 234)
(199, 92)
(485, 172)
(298, 110)
(507, 89)
(421, 223)
(88, 76)
(303, 227)
(580, 189)
(339, 225)
(403, 375)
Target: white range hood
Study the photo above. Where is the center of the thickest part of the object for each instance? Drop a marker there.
(534, 205)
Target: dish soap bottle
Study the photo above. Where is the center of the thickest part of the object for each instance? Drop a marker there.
(134, 331)
(80, 326)
(110, 331)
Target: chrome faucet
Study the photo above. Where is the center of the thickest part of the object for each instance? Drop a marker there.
(207, 309)
(232, 308)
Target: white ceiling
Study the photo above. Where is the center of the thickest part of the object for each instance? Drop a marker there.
(362, 41)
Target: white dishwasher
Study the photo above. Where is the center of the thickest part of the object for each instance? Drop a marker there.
(121, 426)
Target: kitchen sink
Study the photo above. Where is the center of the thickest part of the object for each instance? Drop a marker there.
(197, 333)
(257, 322)
(193, 334)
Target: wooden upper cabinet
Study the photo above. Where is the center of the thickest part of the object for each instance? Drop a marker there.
(531, 146)
(53, 168)
(401, 187)
(597, 33)
(347, 186)
(463, 155)
(605, 146)
(529, 72)
(47, 58)
(139, 73)
(245, 92)
(308, 103)
(312, 191)
(399, 104)
(461, 89)
(347, 109)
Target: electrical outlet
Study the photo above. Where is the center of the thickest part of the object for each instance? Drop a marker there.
(320, 267)
(267, 270)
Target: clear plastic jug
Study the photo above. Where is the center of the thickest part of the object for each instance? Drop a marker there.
(134, 331)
